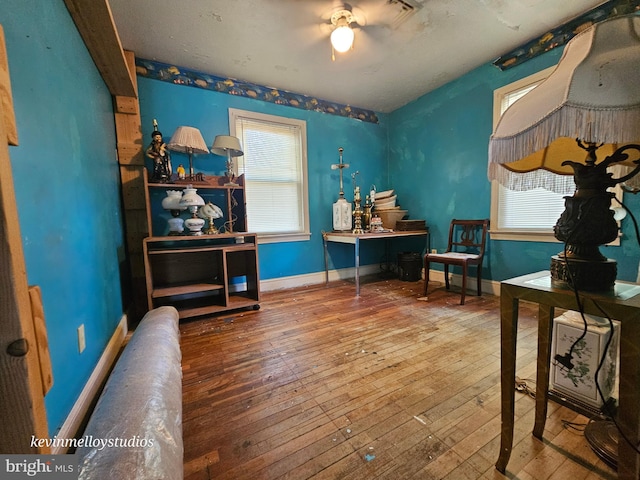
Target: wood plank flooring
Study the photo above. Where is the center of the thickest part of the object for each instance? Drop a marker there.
(321, 384)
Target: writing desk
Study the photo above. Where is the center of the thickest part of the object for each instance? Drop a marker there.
(355, 239)
(623, 304)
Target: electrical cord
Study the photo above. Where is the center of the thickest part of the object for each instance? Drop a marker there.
(566, 360)
(227, 227)
(523, 387)
(578, 427)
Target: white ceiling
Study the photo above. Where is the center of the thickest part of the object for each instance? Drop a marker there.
(285, 43)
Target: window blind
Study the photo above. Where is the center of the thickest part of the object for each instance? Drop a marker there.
(537, 209)
(273, 175)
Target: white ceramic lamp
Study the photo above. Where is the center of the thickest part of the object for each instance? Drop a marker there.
(191, 200)
(172, 203)
(210, 212)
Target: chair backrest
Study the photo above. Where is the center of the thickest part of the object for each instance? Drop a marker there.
(468, 236)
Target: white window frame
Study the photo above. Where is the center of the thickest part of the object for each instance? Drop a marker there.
(530, 235)
(304, 233)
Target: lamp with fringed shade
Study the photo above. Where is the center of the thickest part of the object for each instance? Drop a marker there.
(582, 120)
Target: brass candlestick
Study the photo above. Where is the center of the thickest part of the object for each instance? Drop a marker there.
(357, 213)
(367, 215)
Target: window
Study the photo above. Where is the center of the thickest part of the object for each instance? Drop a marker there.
(528, 215)
(275, 168)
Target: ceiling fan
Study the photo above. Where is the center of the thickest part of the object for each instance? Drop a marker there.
(345, 19)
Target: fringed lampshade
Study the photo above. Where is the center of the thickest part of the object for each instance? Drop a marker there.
(593, 95)
(574, 123)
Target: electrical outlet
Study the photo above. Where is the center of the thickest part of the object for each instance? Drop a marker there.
(81, 340)
(434, 250)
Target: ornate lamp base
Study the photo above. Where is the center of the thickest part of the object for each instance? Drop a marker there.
(194, 225)
(211, 229)
(587, 275)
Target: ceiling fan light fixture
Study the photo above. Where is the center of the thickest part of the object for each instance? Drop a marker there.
(343, 35)
(342, 38)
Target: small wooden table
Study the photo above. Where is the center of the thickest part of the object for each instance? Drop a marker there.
(355, 239)
(623, 304)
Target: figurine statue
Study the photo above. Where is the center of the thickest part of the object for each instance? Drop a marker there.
(181, 172)
(157, 151)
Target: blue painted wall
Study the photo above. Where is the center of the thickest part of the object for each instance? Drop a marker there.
(438, 160)
(67, 187)
(432, 151)
(365, 149)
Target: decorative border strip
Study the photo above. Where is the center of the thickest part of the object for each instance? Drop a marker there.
(562, 34)
(183, 76)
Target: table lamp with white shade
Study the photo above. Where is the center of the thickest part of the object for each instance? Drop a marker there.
(228, 146)
(188, 140)
(172, 204)
(191, 200)
(210, 212)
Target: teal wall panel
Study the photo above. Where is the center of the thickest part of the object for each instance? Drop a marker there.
(433, 152)
(67, 190)
(365, 149)
(438, 153)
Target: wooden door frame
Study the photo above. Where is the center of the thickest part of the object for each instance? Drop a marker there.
(22, 406)
(21, 393)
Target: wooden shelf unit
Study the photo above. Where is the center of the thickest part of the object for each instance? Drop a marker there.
(202, 275)
(230, 199)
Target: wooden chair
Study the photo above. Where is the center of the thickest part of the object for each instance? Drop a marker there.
(467, 240)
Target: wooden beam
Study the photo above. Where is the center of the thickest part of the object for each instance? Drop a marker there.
(132, 169)
(94, 21)
(42, 339)
(6, 98)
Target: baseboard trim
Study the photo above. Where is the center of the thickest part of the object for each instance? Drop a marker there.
(77, 416)
(315, 278)
(488, 286)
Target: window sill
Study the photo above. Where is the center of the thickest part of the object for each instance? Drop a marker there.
(523, 235)
(533, 236)
(283, 237)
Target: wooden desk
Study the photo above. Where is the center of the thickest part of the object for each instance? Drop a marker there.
(623, 305)
(353, 239)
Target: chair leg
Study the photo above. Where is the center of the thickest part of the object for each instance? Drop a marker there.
(479, 280)
(446, 276)
(426, 276)
(464, 283)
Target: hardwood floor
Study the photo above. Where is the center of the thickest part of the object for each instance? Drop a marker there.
(321, 384)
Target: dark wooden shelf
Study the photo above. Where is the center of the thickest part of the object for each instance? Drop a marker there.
(185, 289)
(198, 274)
(210, 182)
